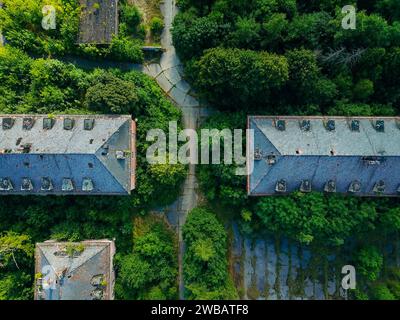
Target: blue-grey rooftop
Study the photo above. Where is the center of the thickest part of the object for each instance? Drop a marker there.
(358, 155)
(67, 154)
(87, 274)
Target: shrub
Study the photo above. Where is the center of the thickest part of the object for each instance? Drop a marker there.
(156, 26)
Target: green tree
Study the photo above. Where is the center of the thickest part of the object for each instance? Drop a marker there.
(240, 79)
(382, 292)
(205, 261)
(111, 94)
(369, 262)
(371, 31)
(13, 247)
(363, 90)
(193, 35)
(246, 34)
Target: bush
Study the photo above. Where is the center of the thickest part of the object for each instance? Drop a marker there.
(131, 17)
(124, 49)
(156, 26)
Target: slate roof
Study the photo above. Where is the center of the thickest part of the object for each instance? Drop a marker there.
(94, 154)
(98, 21)
(359, 156)
(88, 275)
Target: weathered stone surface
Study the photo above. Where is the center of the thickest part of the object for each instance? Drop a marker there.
(177, 95)
(172, 75)
(190, 101)
(169, 59)
(153, 70)
(164, 83)
(183, 86)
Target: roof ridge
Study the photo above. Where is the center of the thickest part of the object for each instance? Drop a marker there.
(84, 262)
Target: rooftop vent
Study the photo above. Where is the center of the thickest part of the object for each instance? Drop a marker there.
(68, 124)
(104, 151)
(27, 123)
(88, 124)
(271, 159)
(120, 155)
(5, 184)
(355, 186)
(305, 186)
(305, 125)
(379, 187)
(61, 253)
(372, 160)
(8, 123)
(87, 185)
(330, 125)
(258, 154)
(280, 186)
(355, 125)
(26, 184)
(67, 184)
(46, 184)
(380, 126)
(280, 125)
(48, 123)
(330, 186)
(26, 147)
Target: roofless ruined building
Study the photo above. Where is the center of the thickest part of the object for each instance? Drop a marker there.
(98, 21)
(74, 271)
(357, 156)
(67, 154)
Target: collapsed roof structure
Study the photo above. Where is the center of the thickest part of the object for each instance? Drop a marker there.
(67, 154)
(74, 271)
(98, 21)
(357, 155)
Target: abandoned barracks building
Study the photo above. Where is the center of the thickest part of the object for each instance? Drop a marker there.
(74, 271)
(98, 21)
(357, 156)
(67, 154)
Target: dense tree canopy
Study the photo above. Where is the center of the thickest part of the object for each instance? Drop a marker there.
(205, 263)
(150, 271)
(345, 65)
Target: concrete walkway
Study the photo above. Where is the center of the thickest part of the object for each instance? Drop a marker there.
(169, 75)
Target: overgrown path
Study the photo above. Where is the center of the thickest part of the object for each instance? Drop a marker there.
(169, 75)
